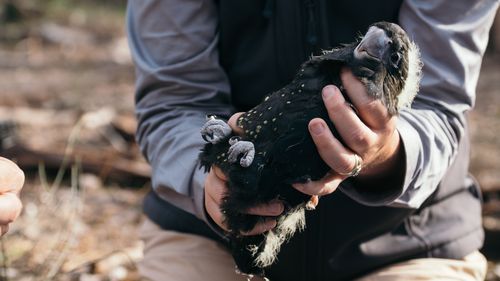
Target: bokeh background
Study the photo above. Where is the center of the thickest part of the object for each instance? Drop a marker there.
(66, 117)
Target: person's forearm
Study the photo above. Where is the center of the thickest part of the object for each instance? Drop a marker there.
(452, 39)
(179, 81)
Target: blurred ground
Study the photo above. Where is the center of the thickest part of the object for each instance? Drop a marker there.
(65, 73)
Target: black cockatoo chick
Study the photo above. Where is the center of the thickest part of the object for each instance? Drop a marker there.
(276, 149)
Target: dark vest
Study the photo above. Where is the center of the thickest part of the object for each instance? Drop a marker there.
(262, 44)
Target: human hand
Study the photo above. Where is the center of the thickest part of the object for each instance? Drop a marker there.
(215, 189)
(369, 133)
(11, 182)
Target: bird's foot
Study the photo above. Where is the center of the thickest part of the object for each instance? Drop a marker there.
(215, 130)
(239, 147)
(312, 203)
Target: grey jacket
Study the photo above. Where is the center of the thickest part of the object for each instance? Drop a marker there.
(179, 80)
(175, 45)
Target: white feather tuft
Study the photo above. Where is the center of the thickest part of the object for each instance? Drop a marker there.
(287, 225)
(412, 82)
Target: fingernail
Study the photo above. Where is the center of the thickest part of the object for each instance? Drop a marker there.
(270, 224)
(328, 92)
(276, 208)
(317, 128)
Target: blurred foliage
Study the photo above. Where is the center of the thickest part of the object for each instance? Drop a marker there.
(10, 12)
(20, 19)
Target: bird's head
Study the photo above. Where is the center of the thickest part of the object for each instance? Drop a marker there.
(389, 65)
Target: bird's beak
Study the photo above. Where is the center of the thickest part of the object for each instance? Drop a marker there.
(374, 44)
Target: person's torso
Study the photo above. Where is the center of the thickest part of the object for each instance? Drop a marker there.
(262, 44)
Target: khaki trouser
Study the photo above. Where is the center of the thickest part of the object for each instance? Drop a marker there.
(175, 256)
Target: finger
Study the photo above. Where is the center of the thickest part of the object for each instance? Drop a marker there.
(213, 210)
(331, 150)
(261, 227)
(371, 110)
(272, 209)
(215, 188)
(233, 121)
(11, 177)
(324, 186)
(352, 130)
(4, 229)
(219, 173)
(10, 208)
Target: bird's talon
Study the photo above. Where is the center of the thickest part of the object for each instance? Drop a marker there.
(312, 203)
(234, 140)
(241, 147)
(215, 130)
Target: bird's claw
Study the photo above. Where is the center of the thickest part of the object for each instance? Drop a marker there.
(312, 203)
(241, 147)
(215, 130)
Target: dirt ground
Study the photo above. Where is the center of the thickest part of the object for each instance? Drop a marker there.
(64, 65)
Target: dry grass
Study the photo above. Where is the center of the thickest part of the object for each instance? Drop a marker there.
(75, 226)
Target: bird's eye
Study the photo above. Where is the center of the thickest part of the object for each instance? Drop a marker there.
(395, 57)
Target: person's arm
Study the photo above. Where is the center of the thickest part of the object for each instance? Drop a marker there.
(179, 81)
(452, 40)
(11, 182)
(404, 169)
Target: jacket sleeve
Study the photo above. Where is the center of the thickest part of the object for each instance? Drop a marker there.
(452, 38)
(179, 81)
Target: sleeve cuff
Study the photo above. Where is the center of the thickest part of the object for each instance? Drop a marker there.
(389, 193)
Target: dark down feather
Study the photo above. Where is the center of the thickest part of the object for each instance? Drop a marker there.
(284, 153)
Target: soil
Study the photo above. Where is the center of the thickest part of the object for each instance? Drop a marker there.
(85, 226)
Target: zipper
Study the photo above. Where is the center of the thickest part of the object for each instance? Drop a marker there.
(268, 10)
(311, 33)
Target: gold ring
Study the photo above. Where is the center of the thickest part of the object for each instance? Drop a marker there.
(358, 165)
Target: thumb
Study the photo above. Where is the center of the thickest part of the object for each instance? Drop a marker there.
(10, 208)
(233, 123)
(11, 177)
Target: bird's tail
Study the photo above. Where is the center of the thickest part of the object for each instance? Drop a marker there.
(294, 220)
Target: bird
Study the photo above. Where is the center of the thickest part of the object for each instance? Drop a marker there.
(276, 150)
